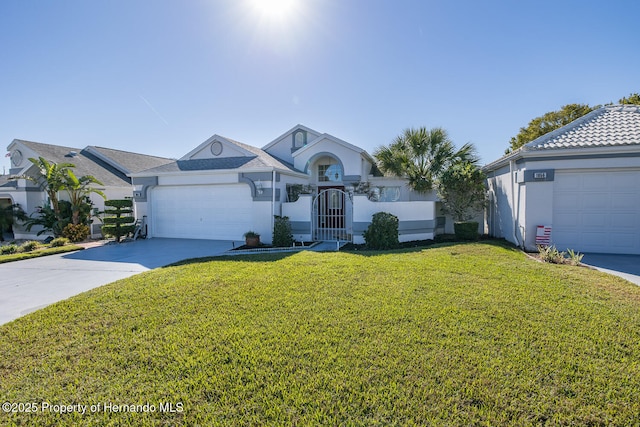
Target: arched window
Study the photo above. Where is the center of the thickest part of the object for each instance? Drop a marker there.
(329, 173)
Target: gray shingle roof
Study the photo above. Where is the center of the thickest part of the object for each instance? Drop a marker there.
(613, 125)
(87, 163)
(132, 162)
(260, 160)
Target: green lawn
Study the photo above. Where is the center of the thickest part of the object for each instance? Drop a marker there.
(474, 334)
(44, 251)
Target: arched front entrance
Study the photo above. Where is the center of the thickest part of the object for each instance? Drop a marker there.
(332, 216)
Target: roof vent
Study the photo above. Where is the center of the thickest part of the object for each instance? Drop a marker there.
(72, 154)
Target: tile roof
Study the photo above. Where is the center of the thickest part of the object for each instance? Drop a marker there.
(613, 125)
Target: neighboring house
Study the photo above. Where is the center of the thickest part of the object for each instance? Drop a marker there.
(110, 167)
(327, 187)
(582, 181)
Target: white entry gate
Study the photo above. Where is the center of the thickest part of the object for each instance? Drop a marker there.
(332, 216)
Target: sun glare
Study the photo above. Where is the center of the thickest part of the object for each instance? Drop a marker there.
(275, 10)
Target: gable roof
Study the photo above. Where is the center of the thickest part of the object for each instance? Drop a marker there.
(334, 140)
(296, 127)
(612, 126)
(94, 161)
(256, 159)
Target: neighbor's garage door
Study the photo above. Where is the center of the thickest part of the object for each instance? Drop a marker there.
(201, 211)
(597, 211)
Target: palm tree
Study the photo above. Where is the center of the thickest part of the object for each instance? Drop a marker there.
(78, 190)
(421, 156)
(51, 178)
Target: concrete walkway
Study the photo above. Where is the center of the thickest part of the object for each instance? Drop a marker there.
(625, 266)
(29, 285)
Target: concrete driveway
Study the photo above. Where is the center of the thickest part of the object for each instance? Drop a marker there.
(29, 285)
(625, 266)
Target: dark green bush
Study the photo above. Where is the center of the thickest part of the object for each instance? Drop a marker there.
(282, 236)
(120, 223)
(382, 233)
(467, 230)
(76, 232)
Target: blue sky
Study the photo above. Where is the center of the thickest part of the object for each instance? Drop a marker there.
(161, 76)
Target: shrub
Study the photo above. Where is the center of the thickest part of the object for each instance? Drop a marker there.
(282, 236)
(76, 232)
(467, 230)
(551, 254)
(8, 249)
(575, 258)
(60, 241)
(29, 246)
(251, 235)
(382, 233)
(120, 222)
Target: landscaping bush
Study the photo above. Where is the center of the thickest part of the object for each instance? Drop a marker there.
(8, 249)
(467, 230)
(29, 246)
(575, 258)
(282, 236)
(551, 254)
(76, 232)
(60, 241)
(120, 222)
(382, 233)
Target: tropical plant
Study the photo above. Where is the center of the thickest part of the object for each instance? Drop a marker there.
(119, 223)
(78, 190)
(51, 178)
(8, 215)
(46, 218)
(462, 191)
(575, 258)
(421, 156)
(551, 254)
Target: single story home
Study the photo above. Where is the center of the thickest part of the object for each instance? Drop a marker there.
(327, 187)
(110, 167)
(577, 187)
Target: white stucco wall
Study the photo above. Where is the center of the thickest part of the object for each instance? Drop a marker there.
(531, 203)
(300, 212)
(363, 210)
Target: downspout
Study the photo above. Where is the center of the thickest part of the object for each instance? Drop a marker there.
(512, 164)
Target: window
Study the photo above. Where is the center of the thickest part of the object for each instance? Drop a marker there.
(299, 139)
(329, 173)
(384, 194)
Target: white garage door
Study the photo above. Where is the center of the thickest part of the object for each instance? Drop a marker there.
(201, 211)
(597, 211)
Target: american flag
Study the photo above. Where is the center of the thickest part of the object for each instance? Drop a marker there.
(8, 155)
